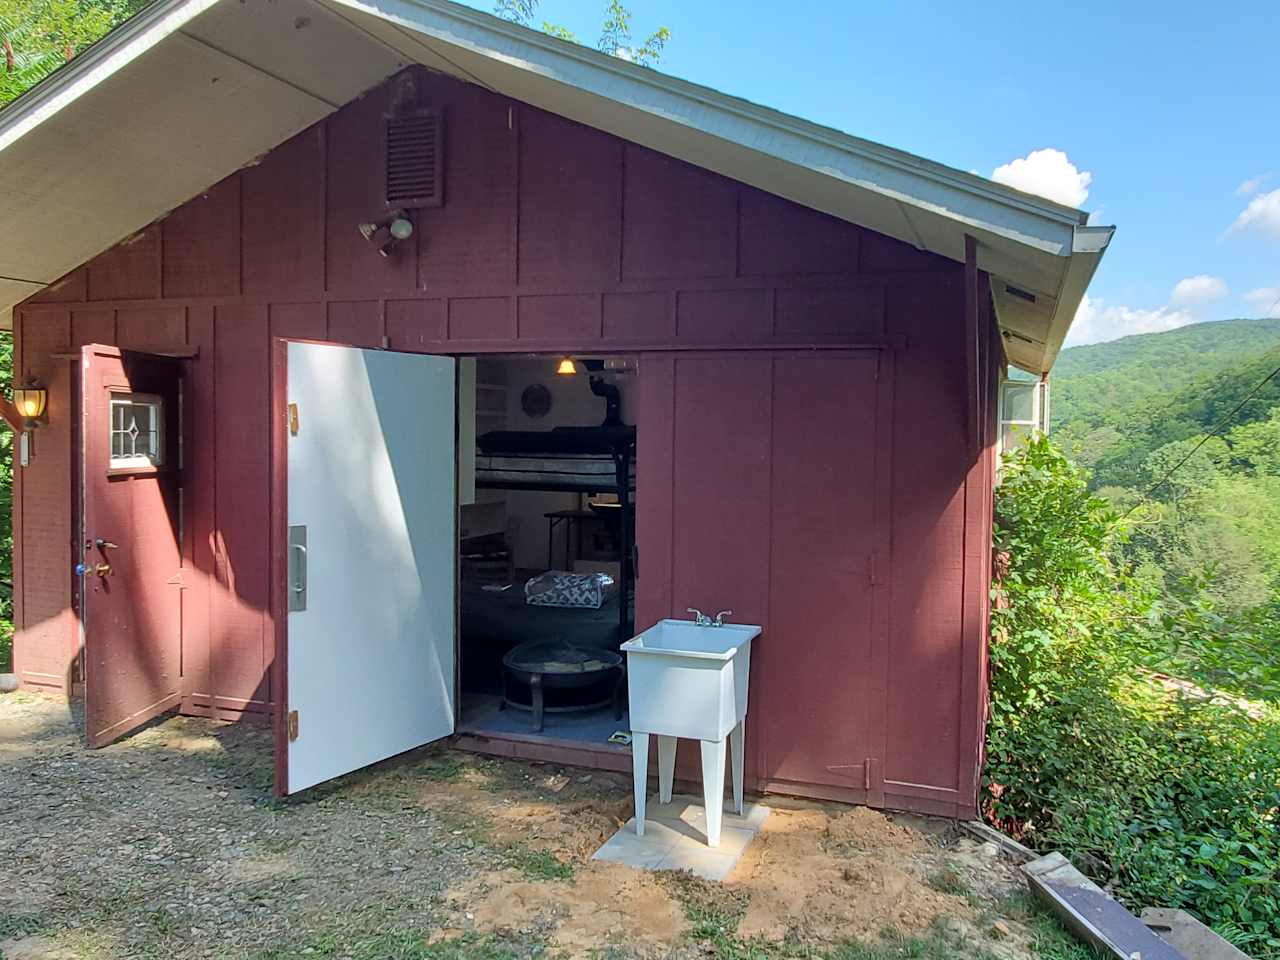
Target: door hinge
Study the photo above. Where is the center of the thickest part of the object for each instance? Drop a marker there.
(293, 419)
(291, 724)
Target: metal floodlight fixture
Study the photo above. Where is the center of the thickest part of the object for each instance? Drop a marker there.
(384, 234)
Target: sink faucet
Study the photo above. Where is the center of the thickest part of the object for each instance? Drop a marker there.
(721, 617)
(700, 618)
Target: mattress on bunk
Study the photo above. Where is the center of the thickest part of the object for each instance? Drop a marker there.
(559, 441)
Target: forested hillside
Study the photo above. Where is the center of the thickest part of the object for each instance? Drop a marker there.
(1130, 410)
(1113, 403)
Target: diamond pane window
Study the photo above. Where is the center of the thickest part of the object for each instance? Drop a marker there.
(137, 431)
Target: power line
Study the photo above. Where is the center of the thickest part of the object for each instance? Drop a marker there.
(1222, 424)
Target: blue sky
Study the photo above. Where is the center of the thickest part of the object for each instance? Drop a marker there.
(1169, 108)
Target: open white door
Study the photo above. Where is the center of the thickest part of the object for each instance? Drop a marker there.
(371, 571)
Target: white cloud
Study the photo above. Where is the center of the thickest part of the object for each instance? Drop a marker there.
(1262, 213)
(1047, 173)
(1198, 290)
(1265, 301)
(1251, 186)
(1096, 320)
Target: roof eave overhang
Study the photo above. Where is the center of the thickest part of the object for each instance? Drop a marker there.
(1025, 241)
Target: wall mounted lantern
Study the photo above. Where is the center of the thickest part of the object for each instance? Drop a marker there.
(566, 367)
(29, 400)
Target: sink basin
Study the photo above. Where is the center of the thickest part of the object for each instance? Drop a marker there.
(686, 680)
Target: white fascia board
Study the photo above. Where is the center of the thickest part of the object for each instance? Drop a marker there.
(1090, 244)
(958, 196)
(120, 47)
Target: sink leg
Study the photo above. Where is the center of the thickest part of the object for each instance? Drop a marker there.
(713, 787)
(640, 775)
(737, 750)
(666, 767)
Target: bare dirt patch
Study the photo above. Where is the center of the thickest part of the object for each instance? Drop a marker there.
(822, 878)
(169, 844)
(604, 903)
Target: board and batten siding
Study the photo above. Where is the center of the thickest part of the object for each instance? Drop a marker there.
(833, 495)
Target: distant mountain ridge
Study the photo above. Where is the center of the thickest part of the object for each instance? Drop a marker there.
(1114, 403)
(1195, 340)
(1089, 380)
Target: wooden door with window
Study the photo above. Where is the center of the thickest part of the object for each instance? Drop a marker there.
(130, 538)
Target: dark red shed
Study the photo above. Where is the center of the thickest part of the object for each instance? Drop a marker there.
(807, 333)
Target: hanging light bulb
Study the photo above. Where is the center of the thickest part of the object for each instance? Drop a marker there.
(566, 367)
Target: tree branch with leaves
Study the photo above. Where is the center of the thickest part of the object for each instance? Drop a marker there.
(615, 33)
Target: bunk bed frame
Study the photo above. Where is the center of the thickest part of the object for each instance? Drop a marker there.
(551, 456)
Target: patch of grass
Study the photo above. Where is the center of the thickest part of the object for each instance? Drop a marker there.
(714, 913)
(14, 926)
(395, 945)
(939, 942)
(445, 768)
(278, 845)
(949, 880)
(1049, 938)
(537, 864)
(162, 922)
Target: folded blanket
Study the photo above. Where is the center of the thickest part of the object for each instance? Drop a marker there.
(557, 588)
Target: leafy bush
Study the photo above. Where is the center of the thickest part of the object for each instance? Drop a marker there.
(1169, 799)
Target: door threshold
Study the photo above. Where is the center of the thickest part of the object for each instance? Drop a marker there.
(544, 749)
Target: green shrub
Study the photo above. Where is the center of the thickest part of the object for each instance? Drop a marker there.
(1167, 799)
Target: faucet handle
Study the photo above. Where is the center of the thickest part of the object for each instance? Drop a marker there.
(720, 617)
(700, 618)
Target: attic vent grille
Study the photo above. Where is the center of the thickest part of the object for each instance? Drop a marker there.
(415, 159)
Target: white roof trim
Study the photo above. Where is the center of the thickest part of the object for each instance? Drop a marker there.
(581, 66)
(122, 46)
(1030, 243)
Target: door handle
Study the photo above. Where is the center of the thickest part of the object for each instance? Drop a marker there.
(102, 569)
(297, 575)
(105, 544)
(299, 585)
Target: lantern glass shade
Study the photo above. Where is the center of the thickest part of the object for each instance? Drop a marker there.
(30, 401)
(566, 367)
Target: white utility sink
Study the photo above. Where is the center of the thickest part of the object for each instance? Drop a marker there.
(689, 680)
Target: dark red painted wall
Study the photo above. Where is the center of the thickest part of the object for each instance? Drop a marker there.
(835, 497)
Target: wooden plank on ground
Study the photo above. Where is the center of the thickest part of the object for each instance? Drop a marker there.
(990, 834)
(1189, 935)
(1092, 915)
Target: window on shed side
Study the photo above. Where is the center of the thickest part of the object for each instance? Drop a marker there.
(1024, 411)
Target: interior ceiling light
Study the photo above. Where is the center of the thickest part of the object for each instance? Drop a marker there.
(566, 367)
